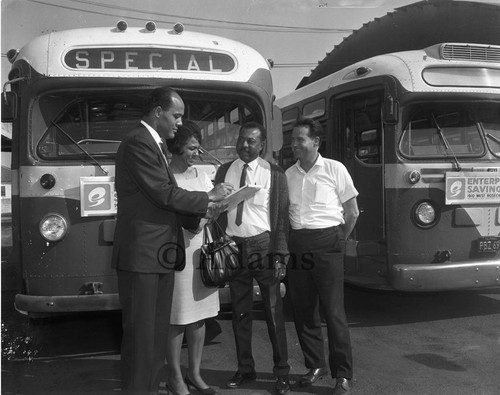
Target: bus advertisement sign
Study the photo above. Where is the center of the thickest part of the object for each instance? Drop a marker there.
(472, 187)
(148, 59)
(97, 196)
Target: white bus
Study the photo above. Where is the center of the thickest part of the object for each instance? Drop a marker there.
(419, 132)
(71, 96)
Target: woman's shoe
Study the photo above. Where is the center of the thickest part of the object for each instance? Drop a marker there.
(171, 391)
(204, 391)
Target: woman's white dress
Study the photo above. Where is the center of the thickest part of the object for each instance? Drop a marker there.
(192, 300)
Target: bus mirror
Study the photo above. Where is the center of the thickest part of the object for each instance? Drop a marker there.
(391, 110)
(9, 107)
(276, 130)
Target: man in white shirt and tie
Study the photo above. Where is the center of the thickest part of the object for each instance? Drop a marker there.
(260, 227)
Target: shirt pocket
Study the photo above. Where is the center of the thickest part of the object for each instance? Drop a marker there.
(323, 193)
(261, 197)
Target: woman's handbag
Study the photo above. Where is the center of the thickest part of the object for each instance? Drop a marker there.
(219, 258)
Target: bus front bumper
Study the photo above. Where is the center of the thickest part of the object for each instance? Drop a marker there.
(29, 304)
(26, 304)
(446, 276)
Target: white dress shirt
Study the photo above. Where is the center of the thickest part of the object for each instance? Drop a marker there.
(156, 137)
(316, 197)
(256, 209)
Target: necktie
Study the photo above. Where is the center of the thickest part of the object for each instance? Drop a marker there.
(163, 148)
(239, 209)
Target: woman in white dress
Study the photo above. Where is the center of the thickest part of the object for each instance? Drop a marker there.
(192, 301)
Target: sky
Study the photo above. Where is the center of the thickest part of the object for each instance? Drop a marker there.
(295, 34)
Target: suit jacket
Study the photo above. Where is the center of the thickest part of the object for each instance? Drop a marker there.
(148, 235)
(278, 209)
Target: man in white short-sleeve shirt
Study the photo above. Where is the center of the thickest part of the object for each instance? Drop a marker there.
(323, 212)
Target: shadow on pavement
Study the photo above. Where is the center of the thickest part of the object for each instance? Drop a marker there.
(367, 308)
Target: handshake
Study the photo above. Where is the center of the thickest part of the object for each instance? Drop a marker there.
(216, 195)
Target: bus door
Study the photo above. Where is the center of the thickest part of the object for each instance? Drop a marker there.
(361, 142)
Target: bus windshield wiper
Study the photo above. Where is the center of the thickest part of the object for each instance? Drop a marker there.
(445, 142)
(204, 151)
(80, 147)
(495, 139)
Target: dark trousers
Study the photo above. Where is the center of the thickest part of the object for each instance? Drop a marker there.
(256, 265)
(316, 275)
(146, 301)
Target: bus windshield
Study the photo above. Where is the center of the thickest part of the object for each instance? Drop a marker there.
(76, 127)
(444, 130)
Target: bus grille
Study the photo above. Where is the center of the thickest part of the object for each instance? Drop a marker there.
(478, 53)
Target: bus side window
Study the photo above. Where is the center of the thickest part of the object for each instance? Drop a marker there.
(367, 137)
(288, 119)
(322, 145)
(349, 135)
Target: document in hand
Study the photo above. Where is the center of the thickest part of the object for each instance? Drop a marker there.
(244, 193)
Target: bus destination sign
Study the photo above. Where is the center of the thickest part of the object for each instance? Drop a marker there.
(147, 59)
(472, 187)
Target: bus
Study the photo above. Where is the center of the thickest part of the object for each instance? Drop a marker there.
(71, 97)
(419, 132)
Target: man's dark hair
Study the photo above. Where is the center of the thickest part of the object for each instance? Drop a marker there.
(315, 128)
(255, 125)
(184, 133)
(162, 97)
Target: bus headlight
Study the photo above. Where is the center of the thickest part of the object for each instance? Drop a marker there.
(53, 227)
(425, 214)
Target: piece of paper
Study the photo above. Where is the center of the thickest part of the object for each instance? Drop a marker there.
(244, 193)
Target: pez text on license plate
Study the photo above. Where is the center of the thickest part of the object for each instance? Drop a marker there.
(488, 244)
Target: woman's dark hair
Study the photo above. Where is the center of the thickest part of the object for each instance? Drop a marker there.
(184, 133)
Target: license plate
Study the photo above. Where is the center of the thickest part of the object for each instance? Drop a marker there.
(488, 244)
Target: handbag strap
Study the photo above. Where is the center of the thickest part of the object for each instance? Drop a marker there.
(219, 231)
(207, 234)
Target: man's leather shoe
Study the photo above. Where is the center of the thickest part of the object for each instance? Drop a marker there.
(312, 376)
(282, 385)
(240, 378)
(342, 387)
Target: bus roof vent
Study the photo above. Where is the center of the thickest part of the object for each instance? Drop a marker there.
(475, 52)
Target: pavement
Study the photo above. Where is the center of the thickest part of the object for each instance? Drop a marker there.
(403, 344)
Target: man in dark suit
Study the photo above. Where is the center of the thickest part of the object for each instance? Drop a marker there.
(148, 242)
(260, 227)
